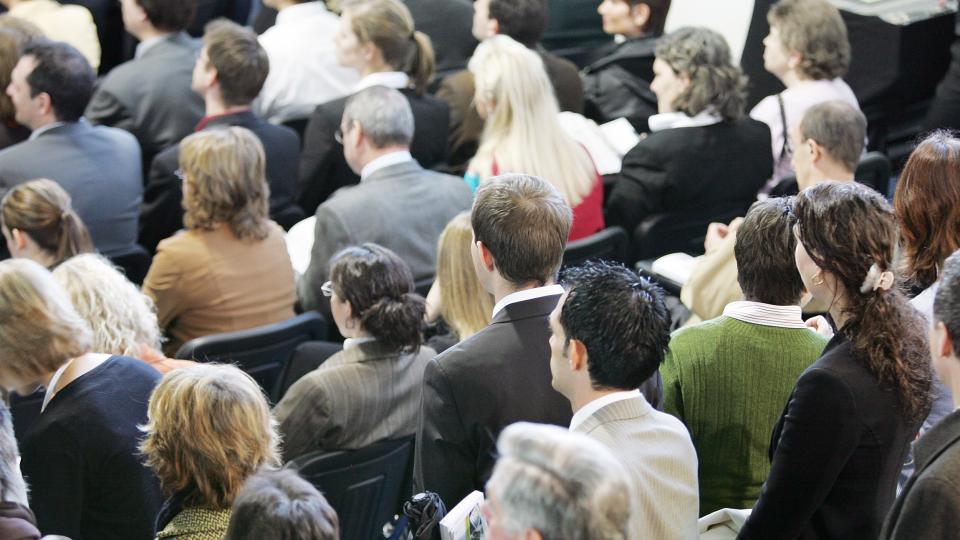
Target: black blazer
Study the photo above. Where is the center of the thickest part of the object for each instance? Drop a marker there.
(677, 181)
(617, 85)
(927, 506)
(835, 454)
(498, 376)
(323, 169)
(161, 214)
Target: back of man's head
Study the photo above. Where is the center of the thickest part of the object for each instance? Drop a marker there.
(946, 304)
(282, 506)
(241, 63)
(621, 320)
(524, 222)
(523, 20)
(64, 74)
(764, 250)
(837, 127)
(169, 15)
(384, 114)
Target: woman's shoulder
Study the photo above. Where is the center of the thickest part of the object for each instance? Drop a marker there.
(197, 524)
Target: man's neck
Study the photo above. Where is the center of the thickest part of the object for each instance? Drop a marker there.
(44, 122)
(213, 106)
(149, 32)
(284, 4)
(502, 288)
(588, 395)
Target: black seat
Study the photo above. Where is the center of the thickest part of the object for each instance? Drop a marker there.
(289, 216)
(306, 357)
(366, 487)
(262, 352)
(134, 262)
(422, 286)
(609, 244)
(873, 170)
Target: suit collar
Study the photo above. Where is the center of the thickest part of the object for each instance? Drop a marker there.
(389, 171)
(242, 118)
(368, 351)
(936, 440)
(157, 45)
(59, 127)
(525, 309)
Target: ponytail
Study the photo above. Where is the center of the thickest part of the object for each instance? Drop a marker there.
(422, 63)
(73, 238)
(395, 322)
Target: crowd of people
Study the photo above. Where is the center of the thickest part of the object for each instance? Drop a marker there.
(803, 383)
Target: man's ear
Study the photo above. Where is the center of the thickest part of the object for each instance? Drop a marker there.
(816, 151)
(44, 103)
(578, 355)
(945, 347)
(486, 258)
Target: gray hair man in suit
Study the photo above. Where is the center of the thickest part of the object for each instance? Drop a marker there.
(610, 333)
(397, 204)
(98, 166)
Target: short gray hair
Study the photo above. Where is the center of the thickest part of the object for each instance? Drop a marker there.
(384, 114)
(560, 483)
(839, 128)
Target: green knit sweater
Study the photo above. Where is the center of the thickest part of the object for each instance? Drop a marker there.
(728, 381)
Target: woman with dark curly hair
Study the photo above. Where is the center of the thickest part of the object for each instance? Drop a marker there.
(840, 443)
(371, 390)
(703, 160)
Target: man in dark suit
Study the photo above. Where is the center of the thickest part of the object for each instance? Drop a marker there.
(397, 204)
(524, 21)
(98, 166)
(448, 24)
(501, 374)
(150, 95)
(929, 505)
(228, 74)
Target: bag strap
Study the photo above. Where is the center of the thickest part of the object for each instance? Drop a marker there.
(785, 150)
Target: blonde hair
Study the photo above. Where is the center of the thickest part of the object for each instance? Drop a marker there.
(523, 133)
(209, 429)
(39, 329)
(122, 318)
(389, 25)
(464, 304)
(42, 210)
(226, 172)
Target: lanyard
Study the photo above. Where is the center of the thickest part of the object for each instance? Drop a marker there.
(50, 392)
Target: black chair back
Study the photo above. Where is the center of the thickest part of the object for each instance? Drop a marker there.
(874, 170)
(135, 263)
(262, 352)
(306, 357)
(366, 487)
(422, 286)
(611, 244)
(25, 411)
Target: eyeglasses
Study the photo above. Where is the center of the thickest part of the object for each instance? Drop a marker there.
(327, 288)
(181, 175)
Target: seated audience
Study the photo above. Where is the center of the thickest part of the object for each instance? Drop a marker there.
(370, 391)
(229, 270)
(829, 141)
(752, 355)
(17, 521)
(703, 160)
(927, 505)
(807, 49)
(523, 133)
(98, 166)
(501, 375)
(69, 23)
(617, 83)
(299, 81)
(840, 442)
(376, 38)
(12, 40)
(377, 130)
(457, 305)
(228, 74)
(927, 203)
(79, 457)
(39, 223)
(281, 506)
(209, 430)
(123, 319)
(150, 95)
(610, 332)
(448, 23)
(551, 483)
(524, 21)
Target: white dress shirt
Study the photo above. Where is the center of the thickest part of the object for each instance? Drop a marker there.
(303, 67)
(69, 23)
(391, 79)
(529, 294)
(765, 314)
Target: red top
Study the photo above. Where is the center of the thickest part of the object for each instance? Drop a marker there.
(588, 215)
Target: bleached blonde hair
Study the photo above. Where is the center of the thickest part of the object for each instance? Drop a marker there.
(522, 132)
(122, 318)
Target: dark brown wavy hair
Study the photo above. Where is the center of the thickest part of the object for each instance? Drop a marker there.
(846, 228)
(927, 202)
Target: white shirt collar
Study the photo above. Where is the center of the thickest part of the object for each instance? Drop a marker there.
(765, 314)
(670, 120)
(148, 44)
(351, 343)
(297, 11)
(391, 79)
(587, 410)
(43, 129)
(384, 161)
(528, 294)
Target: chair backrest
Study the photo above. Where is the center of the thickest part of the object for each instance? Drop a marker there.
(422, 286)
(262, 352)
(366, 487)
(610, 244)
(874, 170)
(135, 263)
(306, 357)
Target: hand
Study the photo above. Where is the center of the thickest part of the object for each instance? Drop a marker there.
(820, 325)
